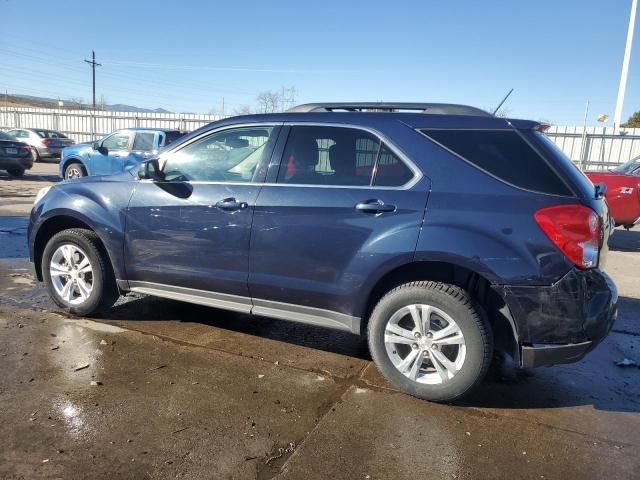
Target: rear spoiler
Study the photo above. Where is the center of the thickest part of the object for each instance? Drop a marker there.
(528, 125)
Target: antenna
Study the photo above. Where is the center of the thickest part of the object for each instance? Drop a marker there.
(502, 102)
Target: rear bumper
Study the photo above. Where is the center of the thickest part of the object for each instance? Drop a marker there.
(561, 323)
(16, 162)
(541, 355)
(53, 152)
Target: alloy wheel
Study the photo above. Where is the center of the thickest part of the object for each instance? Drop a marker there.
(425, 344)
(71, 274)
(73, 172)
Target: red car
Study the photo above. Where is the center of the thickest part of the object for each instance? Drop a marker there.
(623, 191)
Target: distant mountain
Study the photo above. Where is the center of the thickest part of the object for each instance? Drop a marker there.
(119, 107)
(45, 102)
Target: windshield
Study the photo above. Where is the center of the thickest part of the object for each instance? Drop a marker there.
(4, 136)
(628, 168)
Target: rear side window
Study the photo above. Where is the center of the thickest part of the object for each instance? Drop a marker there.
(504, 154)
(143, 142)
(316, 155)
(391, 171)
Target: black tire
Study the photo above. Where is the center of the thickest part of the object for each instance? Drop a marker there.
(74, 170)
(104, 292)
(16, 172)
(35, 155)
(469, 317)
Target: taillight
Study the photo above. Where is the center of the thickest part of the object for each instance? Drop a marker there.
(46, 141)
(575, 229)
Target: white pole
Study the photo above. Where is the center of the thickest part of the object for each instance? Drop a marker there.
(617, 117)
(583, 150)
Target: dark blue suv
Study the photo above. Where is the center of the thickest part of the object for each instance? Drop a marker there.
(441, 232)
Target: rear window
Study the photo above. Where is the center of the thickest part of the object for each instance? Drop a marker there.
(504, 154)
(50, 134)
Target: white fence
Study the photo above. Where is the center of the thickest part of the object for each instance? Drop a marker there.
(597, 147)
(593, 148)
(87, 125)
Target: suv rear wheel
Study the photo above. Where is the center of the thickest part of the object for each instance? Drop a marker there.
(15, 172)
(431, 340)
(77, 272)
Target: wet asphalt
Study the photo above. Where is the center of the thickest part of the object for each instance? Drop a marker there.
(163, 389)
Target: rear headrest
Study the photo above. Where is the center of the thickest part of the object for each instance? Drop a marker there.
(305, 152)
(342, 159)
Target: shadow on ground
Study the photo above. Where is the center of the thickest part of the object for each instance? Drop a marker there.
(595, 381)
(30, 177)
(158, 309)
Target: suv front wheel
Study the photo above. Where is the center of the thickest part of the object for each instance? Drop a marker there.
(430, 340)
(77, 272)
(74, 170)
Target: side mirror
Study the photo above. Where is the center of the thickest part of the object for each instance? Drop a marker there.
(150, 170)
(96, 145)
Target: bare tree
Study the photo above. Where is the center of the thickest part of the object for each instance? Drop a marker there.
(243, 110)
(76, 103)
(276, 100)
(268, 102)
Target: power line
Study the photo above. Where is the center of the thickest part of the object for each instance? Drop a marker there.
(93, 64)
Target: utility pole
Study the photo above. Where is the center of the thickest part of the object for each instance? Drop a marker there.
(617, 117)
(94, 64)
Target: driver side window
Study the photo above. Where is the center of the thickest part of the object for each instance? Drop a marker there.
(117, 141)
(229, 156)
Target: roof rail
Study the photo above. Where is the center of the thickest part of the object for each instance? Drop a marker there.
(431, 108)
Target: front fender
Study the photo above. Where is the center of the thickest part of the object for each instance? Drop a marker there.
(88, 205)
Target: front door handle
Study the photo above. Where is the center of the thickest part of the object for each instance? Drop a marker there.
(231, 204)
(375, 207)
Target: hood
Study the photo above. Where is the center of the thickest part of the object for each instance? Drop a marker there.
(125, 176)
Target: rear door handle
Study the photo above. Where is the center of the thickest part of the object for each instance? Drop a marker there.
(231, 204)
(375, 206)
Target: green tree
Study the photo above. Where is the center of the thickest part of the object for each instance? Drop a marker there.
(633, 122)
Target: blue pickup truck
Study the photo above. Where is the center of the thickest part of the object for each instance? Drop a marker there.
(118, 151)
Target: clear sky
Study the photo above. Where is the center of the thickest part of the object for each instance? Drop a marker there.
(187, 55)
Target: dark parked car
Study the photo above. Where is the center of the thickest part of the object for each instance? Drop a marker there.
(441, 235)
(15, 157)
(118, 151)
(44, 143)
